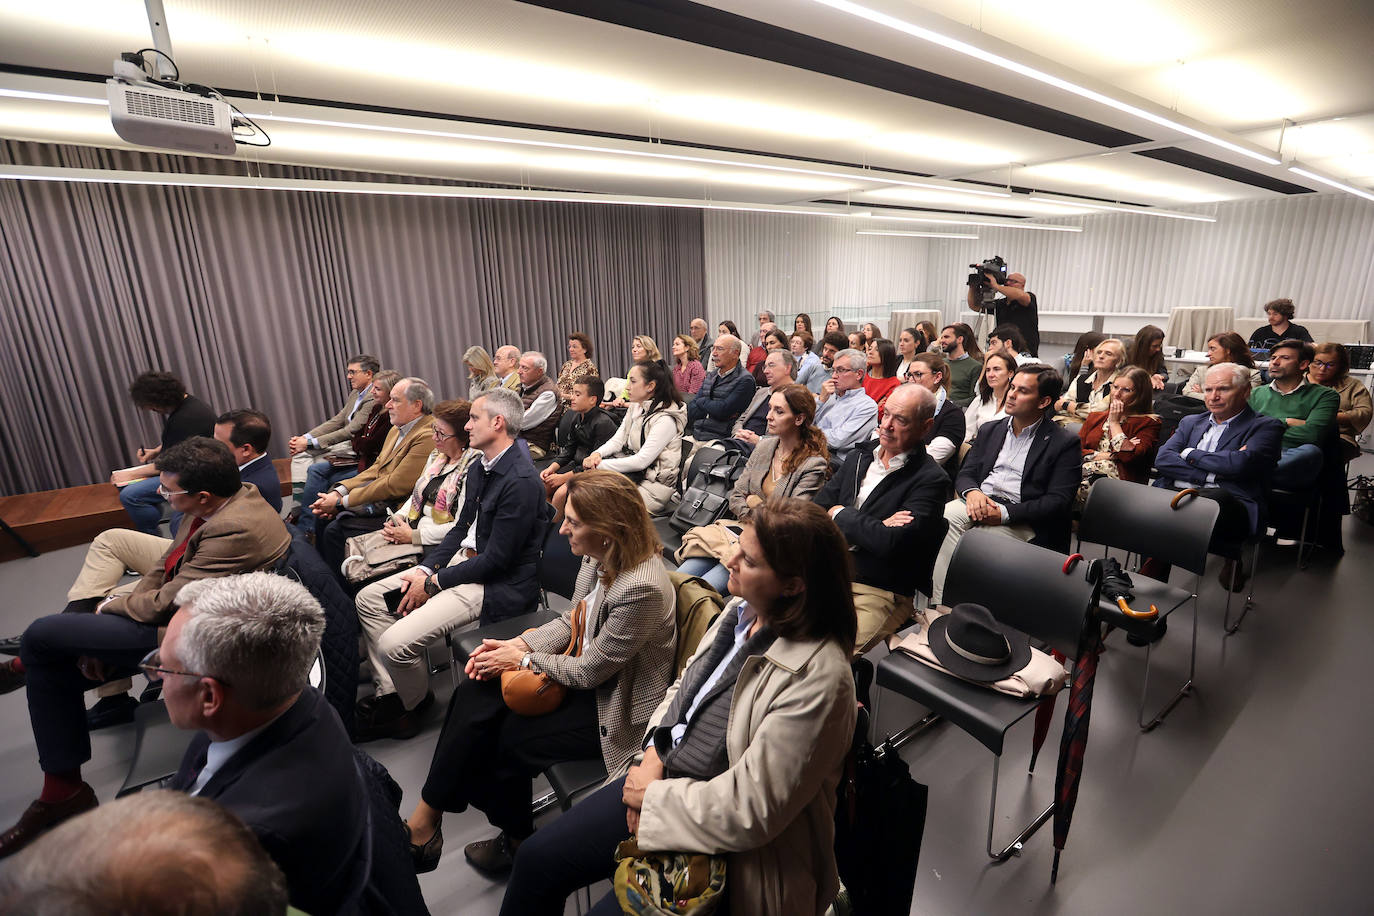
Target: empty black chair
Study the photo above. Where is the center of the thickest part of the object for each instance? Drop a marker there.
(1024, 586)
(1171, 527)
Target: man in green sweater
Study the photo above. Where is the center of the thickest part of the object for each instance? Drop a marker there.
(960, 346)
(1309, 410)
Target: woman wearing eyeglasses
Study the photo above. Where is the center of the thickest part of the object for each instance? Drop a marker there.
(1331, 368)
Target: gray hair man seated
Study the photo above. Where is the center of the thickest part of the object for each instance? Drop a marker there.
(235, 664)
(156, 854)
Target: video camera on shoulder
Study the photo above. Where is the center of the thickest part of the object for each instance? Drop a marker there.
(993, 265)
(978, 279)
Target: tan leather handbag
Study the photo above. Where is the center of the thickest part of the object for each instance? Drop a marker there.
(530, 693)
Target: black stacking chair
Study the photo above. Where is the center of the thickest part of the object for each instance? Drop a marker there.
(1030, 591)
(1169, 526)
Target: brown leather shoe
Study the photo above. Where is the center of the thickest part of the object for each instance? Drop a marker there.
(43, 816)
(10, 680)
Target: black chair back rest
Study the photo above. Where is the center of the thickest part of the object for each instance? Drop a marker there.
(558, 565)
(1022, 585)
(1137, 518)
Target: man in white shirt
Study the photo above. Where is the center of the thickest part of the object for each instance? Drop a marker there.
(1020, 477)
(845, 412)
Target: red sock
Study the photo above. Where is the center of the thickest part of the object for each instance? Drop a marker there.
(60, 786)
(17, 665)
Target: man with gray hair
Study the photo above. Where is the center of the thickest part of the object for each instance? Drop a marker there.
(888, 499)
(484, 568)
(846, 414)
(506, 360)
(235, 665)
(697, 331)
(543, 406)
(779, 371)
(157, 853)
(724, 393)
(392, 476)
(1229, 454)
(767, 321)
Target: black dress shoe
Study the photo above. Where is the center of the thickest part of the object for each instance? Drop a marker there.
(108, 711)
(494, 856)
(10, 680)
(10, 646)
(386, 718)
(42, 816)
(426, 857)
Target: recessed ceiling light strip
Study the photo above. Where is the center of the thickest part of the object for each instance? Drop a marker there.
(1122, 208)
(1331, 182)
(235, 182)
(1006, 63)
(916, 235)
(969, 221)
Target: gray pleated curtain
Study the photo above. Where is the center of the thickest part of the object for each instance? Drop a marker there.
(256, 298)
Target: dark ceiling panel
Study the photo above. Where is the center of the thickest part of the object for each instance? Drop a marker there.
(1199, 163)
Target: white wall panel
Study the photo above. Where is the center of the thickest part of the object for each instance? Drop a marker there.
(792, 264)
(1317, 250)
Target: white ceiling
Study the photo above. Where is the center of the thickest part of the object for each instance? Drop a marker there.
(1235, 65)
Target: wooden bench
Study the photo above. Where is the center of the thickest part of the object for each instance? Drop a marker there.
(52, 519)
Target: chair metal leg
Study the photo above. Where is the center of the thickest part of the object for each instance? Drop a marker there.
(1226, 623)
(911, 731)
(545, 802)
(1015, 846)
(1182, 691)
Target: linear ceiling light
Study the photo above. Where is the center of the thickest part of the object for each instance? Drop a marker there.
(1122, 208)
(970, 221)
(865, 175)
(236, 182)
(916, 235)
(1339, 185)
(1006, 63)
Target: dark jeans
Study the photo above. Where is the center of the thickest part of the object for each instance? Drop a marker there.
(576, 850)
(50, 648)
(487, 755)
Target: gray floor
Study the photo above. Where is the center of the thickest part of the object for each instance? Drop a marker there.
(1252, 797)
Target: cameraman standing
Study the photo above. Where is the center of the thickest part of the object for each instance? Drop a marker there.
(1013, 305)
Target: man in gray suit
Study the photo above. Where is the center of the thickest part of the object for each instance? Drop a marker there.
(330, 439)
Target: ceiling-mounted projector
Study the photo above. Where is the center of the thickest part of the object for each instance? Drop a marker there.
(158, 115)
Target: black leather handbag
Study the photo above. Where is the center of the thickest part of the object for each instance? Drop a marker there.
(707, 499)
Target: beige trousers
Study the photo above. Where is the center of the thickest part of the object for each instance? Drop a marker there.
(396, 645)
(111, 553)
(880, 614)
(956, 513)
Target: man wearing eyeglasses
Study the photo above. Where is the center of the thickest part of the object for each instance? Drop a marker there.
(230, 529)
(334, 437)
(724, 393)
(846, 414)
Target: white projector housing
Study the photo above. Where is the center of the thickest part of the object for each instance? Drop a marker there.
(170, 119)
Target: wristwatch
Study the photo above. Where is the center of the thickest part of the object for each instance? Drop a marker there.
(432, 586)
(525, 662)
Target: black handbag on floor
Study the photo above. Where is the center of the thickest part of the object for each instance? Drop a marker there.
(707, 499)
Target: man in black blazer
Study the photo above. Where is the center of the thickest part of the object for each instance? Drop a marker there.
(886, 499)
(1021, 475)
(247, 433)
(235, 664)
(485, 568)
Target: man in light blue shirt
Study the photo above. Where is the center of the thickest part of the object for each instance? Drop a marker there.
(846, 414)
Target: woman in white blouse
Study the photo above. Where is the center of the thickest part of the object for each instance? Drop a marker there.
(647, 447)
(998, 368)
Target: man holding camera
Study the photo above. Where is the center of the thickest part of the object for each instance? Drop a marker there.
(1011, 304)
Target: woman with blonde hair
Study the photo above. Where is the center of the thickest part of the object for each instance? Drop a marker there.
(688, 372)
(482, 375)
(642, 347)
(487, 755)
(792, 460)
(1092, 391)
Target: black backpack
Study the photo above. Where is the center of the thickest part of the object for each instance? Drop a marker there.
(707, 498)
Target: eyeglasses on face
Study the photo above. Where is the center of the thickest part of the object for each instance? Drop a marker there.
(151, 666)
(1324, 364)
(443, 437)
(168, 494)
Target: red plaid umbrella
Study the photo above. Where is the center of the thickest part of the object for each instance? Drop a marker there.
(1074, 741)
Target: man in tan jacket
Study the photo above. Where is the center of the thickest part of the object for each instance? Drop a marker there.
(392, 476)
(333, 435)
(229, 528)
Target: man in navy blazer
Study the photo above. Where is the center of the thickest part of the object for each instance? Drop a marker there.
(1229, 453)
(235, 665)
(485, 568)
(1021, 475)
(886, 499)
(248, 432)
